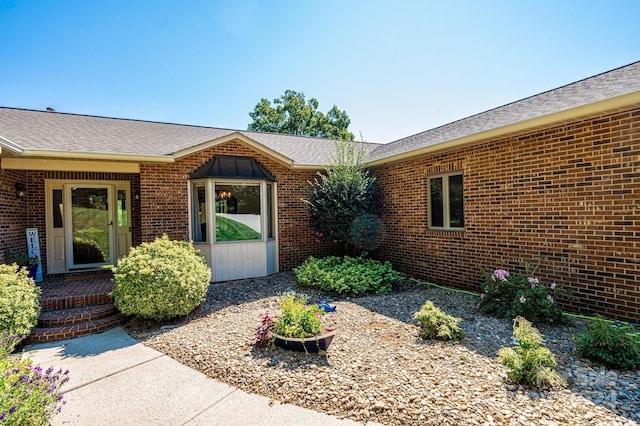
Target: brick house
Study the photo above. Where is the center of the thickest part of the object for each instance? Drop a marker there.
(556, 174)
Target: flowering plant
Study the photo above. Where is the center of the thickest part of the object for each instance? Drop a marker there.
(511, 295)
(28, 394)
(295, 319)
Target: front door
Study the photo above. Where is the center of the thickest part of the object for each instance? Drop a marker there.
(88, 226)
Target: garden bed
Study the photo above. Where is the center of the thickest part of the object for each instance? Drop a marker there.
(378, 369)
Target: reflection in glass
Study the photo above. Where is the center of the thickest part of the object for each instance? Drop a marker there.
(90, 225)
(237, 212)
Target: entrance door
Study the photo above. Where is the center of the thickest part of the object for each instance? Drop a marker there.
(88, 224)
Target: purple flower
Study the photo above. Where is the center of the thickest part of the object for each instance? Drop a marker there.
(523, 299)
(533, 281)
(552, 286)
(13, 409)
(482, 296)
(501, 274)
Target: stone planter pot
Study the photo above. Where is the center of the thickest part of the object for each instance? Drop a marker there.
(310, 344)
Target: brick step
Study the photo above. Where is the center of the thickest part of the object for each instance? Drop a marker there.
(57, 303)
(53, 334)
(76, 315)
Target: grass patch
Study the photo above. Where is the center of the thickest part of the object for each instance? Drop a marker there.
(231, 230)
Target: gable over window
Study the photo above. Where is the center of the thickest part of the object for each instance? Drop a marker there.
(446, 201)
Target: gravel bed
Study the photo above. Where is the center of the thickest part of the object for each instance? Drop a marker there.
(378, 369)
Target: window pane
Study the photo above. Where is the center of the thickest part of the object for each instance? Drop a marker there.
(456, 202)
(57, 208)
(122, 207)
(199, 213)
(270, 211)
(437, 205)
(237, 212)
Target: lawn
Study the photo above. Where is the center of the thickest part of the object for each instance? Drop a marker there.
(231, 230)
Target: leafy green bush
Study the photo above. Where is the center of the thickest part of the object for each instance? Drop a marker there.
(511, 295)
(28, 395)
(296, 318)
(613, 345)
(19, 301)
(161, 280)
(436, 324)
(348, 275)
(344, 203)
(529, 363)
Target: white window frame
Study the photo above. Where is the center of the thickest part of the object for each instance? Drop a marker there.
(446, 214)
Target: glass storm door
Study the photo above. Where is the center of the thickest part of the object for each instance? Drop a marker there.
(90, 226)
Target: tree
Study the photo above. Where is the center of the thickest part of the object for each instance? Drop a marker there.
(290, 114)
(344, 203)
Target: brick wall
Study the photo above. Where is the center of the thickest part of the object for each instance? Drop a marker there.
(13, 217)
(164, 206)
(570, 193)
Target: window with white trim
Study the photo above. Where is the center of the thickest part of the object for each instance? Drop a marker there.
(446, 201)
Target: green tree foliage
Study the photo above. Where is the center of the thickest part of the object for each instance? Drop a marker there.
(291, 114)
(344, 204)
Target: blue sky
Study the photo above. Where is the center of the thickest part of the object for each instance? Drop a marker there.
(396, 67)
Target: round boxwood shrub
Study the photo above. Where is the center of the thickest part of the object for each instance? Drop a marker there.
(161, 280)
(19, 302)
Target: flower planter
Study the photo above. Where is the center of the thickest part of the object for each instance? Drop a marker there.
(310, 344)
(32, 270)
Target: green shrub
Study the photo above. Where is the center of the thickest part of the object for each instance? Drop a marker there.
(19, 302)
(344, 203)
(348, 275)
(529, 363)
(436, 324)
(28, 395)
(161, 280)
(512, 295)
(612, 345)
(296, 318)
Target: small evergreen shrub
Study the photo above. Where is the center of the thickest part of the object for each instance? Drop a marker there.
(347, 275)
(436, 324)
(19, 302)
(529, 363)
(161, 280)
(28, 395)
(508, 295)
(612, 345)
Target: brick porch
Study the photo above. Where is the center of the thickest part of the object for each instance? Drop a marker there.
(75, 306)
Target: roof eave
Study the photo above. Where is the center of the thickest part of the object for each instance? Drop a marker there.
(609, 104)
(138, 158)
(237, 136)
(10, 146)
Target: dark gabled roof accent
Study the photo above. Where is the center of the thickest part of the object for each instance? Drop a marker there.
(232, 167)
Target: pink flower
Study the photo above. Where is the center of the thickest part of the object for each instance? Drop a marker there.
(552, 286)
(549, 298)
(482, 296)
(317, 240)
(501, 274)
(335, 241)
(523, 299)
(533, 281)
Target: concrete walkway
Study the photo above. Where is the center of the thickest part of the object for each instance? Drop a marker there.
(115, 380)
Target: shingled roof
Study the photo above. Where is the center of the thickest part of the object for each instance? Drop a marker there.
(40, 133)
(608, 85)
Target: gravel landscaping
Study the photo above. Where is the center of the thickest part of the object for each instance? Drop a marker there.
(378, 369)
